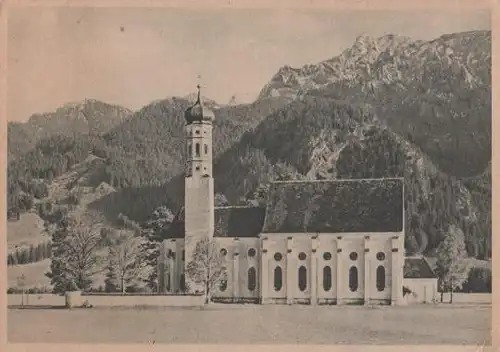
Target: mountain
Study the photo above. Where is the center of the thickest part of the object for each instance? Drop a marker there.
(390, 106)
(435, 93)
(88, 117)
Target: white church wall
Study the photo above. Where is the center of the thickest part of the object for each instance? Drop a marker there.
(352, 258)
(249, 287)
(174, 253)
(273, 247)
(379, 255)
(327, 258)
(300, 275)
(225, 290)
(238, 261)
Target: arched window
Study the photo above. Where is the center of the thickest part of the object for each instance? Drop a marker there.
(327, 278)
(167, 282)
(302, 278)
(353, 279)
(197, 147)
(206, 149)
(277, 278)
(183, 282)
(380, 278)
(252, 279)
(189, 149)
(223, 282)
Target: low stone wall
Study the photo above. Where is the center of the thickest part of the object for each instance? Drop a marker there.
(51, 300)
(468, 298)
(44, 299)
(143, 300)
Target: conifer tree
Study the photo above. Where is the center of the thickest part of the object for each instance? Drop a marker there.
(152, 235)
(110, 283)
(58, 273)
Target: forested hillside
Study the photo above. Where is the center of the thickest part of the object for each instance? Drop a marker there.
(144, 151)
(385, 107)
(88, 117)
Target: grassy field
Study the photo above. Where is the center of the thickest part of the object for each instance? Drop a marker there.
(242, 324)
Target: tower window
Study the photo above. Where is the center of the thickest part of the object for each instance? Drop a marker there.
(197, 151)
(206, 149)
(197, 132)
(189, 149)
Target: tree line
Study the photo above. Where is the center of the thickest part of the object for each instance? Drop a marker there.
(140, 164)
(31, 254)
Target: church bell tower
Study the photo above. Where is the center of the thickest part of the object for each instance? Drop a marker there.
(199, 183)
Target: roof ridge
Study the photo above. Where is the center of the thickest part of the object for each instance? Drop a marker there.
(338, 180)
(238, 207)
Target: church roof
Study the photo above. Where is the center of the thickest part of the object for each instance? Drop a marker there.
(230, 221)
(239, 221)
(417, 268)
(335, 206)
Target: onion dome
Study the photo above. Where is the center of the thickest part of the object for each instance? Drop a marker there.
(198, 112)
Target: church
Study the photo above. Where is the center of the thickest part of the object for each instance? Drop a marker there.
(315, 242)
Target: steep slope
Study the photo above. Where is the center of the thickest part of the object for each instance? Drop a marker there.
(89, 117)
(336, 140)
(143, 152)
(436, 93)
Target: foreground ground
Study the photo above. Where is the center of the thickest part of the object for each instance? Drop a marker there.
(226, 324)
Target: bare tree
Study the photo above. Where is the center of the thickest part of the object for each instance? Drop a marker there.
(124, 258)
(207, 266)
(81, 251)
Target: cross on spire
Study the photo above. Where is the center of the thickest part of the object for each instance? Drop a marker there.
(199, 95)
(198, 86)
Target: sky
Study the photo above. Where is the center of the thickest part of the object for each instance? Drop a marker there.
(132, 56)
